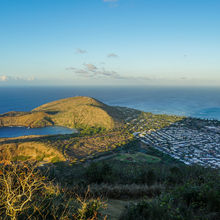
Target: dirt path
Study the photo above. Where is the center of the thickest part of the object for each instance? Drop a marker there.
(115, 209)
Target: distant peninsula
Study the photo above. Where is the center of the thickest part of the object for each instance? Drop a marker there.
(74, 112)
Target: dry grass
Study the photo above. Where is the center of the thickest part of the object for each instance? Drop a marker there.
(78, 111)
(29, 151)
(25, 193)
(69, 112)
(87, 147)
(20, 185)
(60, 148)
(35, 119)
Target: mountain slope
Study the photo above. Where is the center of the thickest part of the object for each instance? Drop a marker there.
(28, 148)
(27, 119)
(78, 112)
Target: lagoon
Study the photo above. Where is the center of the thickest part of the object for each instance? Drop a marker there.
(8, 132)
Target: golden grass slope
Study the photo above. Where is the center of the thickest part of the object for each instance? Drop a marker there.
(13, 150)
(74, 112)
(32, 120)
(77, 112)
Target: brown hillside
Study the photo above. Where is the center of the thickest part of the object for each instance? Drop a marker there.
(70, 112)
(32, 120)
(82, 111)
(29, 150)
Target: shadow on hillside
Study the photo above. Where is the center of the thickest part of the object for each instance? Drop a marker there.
(38, 138)
(52, 112)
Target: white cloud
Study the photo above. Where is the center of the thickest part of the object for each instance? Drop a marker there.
(90, 67)
(80, 51)
(93, 72)
(112, 55)
(107, 73)
(30, 78)
(80, 71)
(4, 78)
(70, 68)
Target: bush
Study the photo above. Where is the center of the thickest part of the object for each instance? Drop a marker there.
(26, 194)
(188, 202)
(148, 177)
(88, 209)
(21, 187)
(204, 197)
(98, 173)
(146, 210)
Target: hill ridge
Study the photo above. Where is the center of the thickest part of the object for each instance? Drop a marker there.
(73, 112)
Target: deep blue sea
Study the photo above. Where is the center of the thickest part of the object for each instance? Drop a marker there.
(196, 102)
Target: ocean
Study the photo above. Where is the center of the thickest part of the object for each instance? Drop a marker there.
(195, 102)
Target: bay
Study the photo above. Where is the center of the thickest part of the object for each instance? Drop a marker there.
(8, 132)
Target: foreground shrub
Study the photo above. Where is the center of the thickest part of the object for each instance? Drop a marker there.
(88, 207)
(186, 202)
(205, 197)
(27, 194)
(146, 210)
(21, 185)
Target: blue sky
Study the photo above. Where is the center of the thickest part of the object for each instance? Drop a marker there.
(110, 42)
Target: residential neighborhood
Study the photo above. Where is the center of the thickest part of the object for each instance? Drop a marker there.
(189, 145)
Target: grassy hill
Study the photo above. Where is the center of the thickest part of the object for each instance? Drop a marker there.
(28, 148)
(75, 112)
(78, 112)
(27, 119)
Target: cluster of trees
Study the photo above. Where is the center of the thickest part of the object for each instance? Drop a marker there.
(176, 192)
(85, 131)
(186, 202)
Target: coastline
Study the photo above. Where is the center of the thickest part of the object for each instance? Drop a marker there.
(199, 102)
